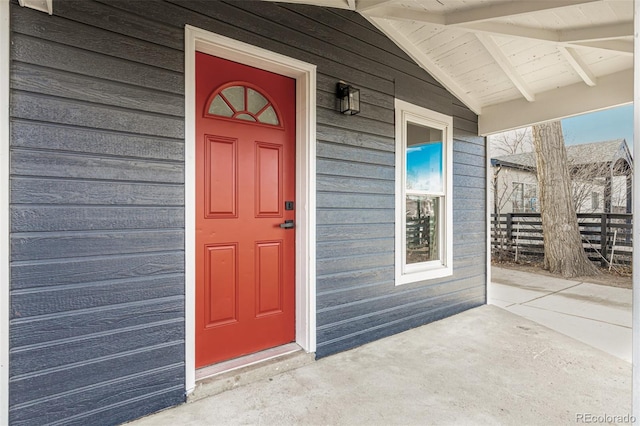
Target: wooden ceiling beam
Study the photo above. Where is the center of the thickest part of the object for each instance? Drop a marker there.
(368, 5)
(578, 65)
(508, 9)
(597, 33)
(599, 37)
(500, 29)
(426, 63)
(506, 66)
(612, 90)
(405, 14)
(619, 46)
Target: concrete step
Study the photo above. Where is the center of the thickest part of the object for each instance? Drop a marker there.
(237, 372)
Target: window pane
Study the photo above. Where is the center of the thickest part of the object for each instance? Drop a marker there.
(235, 95)
(269, 116)
(245, 117)
(255, 101)
(530, 198)
(517, 198)
(220, 107)
(424, 159)
(422, 228)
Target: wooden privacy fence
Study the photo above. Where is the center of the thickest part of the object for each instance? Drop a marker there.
(419, 239)
(606, 237)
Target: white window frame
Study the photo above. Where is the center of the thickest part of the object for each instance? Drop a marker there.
(404, 274)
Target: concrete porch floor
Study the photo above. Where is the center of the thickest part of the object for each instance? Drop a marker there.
(597, 315)
(483, 366)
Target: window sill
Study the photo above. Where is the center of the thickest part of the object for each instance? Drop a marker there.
(424, 275)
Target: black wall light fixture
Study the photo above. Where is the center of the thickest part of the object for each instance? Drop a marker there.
(348, 99)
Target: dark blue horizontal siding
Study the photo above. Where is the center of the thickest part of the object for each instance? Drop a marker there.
(78, 218)
(358, 301)
(40, 391)
(97, 196)
(136, 405)
(98, 321)
(401, 300)
(35, 79)
(51, 136)
(30, 48)
(29, 190)
(412, 319)
(30, 106)
(161, 387)
(97, 217)
(56, 245)
(67, 271)
(61, 299)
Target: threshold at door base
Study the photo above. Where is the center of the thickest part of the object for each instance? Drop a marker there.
(228, 375)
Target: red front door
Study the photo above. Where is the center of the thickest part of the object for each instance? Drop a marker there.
(245, 186)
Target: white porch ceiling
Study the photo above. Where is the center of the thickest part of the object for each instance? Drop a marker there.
(514, 62)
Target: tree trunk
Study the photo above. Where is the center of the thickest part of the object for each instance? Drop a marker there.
(563, 251)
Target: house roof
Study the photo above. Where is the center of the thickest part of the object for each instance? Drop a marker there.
(577, 155)
(514, 62)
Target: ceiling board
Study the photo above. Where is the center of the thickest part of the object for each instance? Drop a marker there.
(549, 47)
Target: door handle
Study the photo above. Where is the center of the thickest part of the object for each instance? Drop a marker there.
(287, 224)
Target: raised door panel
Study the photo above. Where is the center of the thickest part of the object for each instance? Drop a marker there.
(221, 180)
(221, 284)
(269, 278)
(269, 180)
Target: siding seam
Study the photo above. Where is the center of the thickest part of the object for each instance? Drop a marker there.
(119, 404)
(94, 360)
(83, 285)
(400, 320)
(83, 389)
(90, 77)
(393, 308)
(91, 155)
(91, 336)
(81, 102)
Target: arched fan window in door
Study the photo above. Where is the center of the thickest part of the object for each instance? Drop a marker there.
(240, 101)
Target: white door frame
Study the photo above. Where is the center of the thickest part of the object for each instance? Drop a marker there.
(305, 75)
(4, 210)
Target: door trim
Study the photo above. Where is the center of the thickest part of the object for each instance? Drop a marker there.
(5, 56)
(304, 73)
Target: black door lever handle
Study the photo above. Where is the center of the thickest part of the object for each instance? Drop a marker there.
(287, 224)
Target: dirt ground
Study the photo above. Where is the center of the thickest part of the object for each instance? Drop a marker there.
(621, 278)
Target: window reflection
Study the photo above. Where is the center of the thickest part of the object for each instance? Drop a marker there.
(422, 228)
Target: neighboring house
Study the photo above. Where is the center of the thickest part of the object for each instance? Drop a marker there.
(184, 191)
(601, 173)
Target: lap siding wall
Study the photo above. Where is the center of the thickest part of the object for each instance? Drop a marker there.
(97, 196)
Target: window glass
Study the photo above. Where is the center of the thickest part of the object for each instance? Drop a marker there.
(423, 234)
(243, 103)
(595, 200)
(268, 116)
(424, 238)
(235, 96)
(220, 107)
(524, 197)
(424, 158)
(255, 101)
(245, 117)
(517, 199)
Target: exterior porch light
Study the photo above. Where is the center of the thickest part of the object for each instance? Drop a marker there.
(348, 99)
